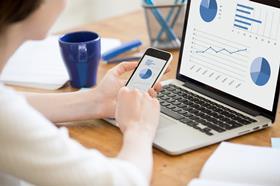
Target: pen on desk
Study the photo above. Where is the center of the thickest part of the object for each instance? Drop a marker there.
(125, 59)
(133, 57)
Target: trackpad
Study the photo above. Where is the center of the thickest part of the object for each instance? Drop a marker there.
(165, 122)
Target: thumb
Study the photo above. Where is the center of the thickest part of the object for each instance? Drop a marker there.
(123, 82)
(124, 67)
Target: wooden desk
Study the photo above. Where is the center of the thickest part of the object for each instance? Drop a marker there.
(100, 135)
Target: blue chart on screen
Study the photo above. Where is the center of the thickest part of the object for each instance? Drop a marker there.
(208, 10)
(260, 71)
(145, 73)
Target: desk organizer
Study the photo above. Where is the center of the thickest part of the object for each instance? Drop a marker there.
(164, 24)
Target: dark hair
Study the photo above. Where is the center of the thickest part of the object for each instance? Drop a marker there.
(13, 11)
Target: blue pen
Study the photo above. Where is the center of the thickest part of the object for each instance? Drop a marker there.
(177, 15)
(167, 21)
(162, 22)
(121, 49)
(170, 14)
(124, 59)
(174, 41)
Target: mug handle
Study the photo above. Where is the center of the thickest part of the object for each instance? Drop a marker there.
(83, 55)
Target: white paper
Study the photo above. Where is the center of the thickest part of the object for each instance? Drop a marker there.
(108, 44)
(38, 64)
(243, 164)
(200, 182)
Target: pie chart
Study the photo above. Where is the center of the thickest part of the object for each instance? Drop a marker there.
(208, 10)
(260, 71)
(145, 73)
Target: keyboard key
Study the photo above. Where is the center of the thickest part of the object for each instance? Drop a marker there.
(182, 105)
(170, 107)
(195, 118)
(164, 97)
(177, 109)
(233, 126)
(194, 111)
(171, 95)
(186, 120)
(176, 103)
(170, 100)
(171, 113)
(215, 127)
(182, 112)
(193, 125)
(207, 131)
(187, 114)
(187, 108)
(165, 104)
(178, 98)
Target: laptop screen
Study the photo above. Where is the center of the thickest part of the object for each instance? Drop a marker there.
(234, 46)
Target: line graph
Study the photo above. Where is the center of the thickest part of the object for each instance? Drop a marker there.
(218, 58)
(221, 50)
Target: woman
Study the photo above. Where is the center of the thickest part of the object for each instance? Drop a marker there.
(34, 150)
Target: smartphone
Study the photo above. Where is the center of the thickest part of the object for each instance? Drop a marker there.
(151, 67)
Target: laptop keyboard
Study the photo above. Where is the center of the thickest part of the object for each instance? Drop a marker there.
(199, 113)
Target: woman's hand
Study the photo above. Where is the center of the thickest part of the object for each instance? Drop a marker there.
(137, 115)
(108, 88)
(137, 112)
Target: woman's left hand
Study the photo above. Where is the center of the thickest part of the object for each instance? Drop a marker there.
(108, 89)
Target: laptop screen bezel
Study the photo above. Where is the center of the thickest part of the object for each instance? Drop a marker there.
(269, 114)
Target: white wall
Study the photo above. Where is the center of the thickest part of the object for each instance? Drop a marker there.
(79, 12)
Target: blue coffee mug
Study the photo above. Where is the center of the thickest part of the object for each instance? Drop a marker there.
(81, 52)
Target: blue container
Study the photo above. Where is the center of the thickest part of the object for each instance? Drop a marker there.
(81, 52)
(165, 23)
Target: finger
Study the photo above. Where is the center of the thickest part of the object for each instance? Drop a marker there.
(137, 92)
(167, 70)
(123, 82)
(156, 102)
(157, 87)
(124, 67)
(152, 93)
(123, 91)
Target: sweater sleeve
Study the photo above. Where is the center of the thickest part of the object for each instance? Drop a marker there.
(34, 150)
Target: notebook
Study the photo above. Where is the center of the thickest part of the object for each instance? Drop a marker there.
(240, 165)
(38, 64)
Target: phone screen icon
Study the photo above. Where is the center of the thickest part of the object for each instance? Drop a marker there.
(146, 73)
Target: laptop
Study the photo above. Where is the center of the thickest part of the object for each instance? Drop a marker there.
(227, 81)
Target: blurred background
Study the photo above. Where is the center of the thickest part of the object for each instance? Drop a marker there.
(79, 12)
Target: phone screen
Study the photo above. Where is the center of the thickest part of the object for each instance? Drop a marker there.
(147, 73)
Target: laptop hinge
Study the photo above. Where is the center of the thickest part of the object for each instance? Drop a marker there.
(221, 99)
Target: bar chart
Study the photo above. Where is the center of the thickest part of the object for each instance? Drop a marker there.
(258, 21)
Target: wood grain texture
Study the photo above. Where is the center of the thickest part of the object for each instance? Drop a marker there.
(97, 134)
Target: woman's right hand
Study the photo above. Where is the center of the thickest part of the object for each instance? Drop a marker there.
(137, 112)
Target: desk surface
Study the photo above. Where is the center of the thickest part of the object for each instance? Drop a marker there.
(100, 135)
